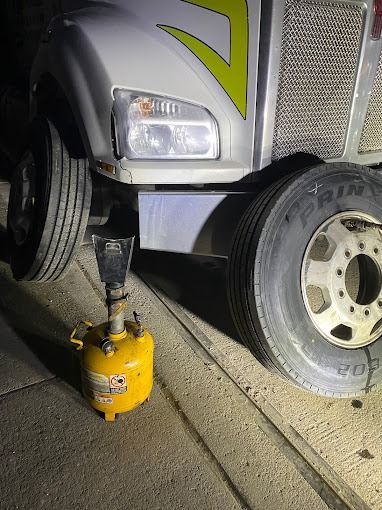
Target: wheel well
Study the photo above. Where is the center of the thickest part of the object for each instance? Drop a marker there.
(52, 102)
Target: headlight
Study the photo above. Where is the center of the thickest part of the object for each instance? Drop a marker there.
(155, 127)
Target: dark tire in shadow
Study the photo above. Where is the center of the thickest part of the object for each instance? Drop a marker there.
(49, 206)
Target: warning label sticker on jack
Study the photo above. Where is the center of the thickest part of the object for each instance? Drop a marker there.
(102, 400)
(94, 382)
(118, 383)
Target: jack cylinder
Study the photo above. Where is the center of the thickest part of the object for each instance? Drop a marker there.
(116, 302)
(117, 356)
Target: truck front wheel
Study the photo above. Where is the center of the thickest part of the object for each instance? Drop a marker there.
(48, 206)
(305, 279)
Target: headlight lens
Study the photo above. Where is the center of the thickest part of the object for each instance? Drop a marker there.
(155, 127)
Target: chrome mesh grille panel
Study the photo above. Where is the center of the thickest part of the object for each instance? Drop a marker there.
(319, 57)
(371, 138)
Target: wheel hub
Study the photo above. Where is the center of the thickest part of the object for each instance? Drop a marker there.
(22, 200)
(341, 279)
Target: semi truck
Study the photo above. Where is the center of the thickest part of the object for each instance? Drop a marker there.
(243, 129)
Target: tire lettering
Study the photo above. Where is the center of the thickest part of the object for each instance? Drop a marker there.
(344, 369)
(359, 369)
(340, 192)
(306, 213)
(325, 198)
(355, 190)
(375, 190)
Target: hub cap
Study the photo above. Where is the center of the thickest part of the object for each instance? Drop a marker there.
(22, 200)
(341, 279)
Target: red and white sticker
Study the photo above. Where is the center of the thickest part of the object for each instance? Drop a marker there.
(117, 383)
(117, 380)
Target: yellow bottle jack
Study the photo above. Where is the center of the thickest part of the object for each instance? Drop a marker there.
(117, 356)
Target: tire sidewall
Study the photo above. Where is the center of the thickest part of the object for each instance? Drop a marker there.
(33, 248)
(278, 306)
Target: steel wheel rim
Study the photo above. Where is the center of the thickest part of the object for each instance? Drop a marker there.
(347, 317)
(22, 200)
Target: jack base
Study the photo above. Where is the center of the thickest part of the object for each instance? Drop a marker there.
(109, 416)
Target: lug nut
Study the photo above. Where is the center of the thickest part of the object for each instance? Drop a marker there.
(347, 254)
(341, 293)
(361, 245)
(339, 272)
(366, 312)
(352, 309)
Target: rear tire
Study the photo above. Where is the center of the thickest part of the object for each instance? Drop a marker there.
(265, 280)
(48, 208)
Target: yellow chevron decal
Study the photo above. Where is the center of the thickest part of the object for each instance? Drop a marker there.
(232, 75)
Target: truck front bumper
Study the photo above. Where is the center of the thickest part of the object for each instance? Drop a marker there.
(173, 172)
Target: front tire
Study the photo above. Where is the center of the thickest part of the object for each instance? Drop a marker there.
(270, 268)
(48, 207)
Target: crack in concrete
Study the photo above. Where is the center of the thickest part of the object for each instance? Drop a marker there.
(27, 386)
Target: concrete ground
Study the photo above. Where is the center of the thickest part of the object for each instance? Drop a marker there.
(197, 443)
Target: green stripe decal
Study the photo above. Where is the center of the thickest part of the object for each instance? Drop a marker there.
(232, 75)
